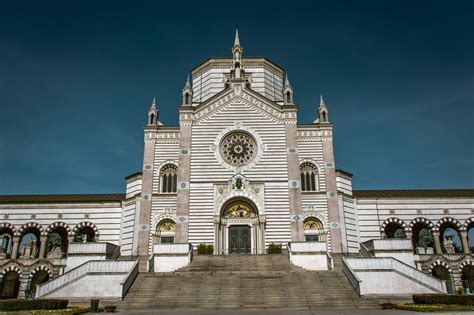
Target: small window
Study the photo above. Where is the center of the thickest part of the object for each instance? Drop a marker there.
(166, 240)
(169, 178)
(308, 177)
(312, 238)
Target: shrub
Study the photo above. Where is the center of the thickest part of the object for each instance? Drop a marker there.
(443, 299)
(274, 248)
(23, 305)
(204, 249)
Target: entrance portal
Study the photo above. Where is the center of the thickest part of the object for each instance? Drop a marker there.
(239, 239)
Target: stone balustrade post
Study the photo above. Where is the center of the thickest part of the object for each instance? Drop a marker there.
(42, 246)
(465, 244)
(16, 245)
(437, 243)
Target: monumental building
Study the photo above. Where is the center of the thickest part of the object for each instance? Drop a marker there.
(237, 176)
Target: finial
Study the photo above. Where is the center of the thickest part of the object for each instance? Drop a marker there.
(153, 104)
(237, 40)
(321, 101)
(287, 82)
(188, 83)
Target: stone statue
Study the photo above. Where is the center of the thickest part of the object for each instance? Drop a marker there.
(55, 253)
(449, 245)
(84, 238)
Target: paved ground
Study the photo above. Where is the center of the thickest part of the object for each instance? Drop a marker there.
(282, 312)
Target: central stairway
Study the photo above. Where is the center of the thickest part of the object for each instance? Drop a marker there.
(244, 282)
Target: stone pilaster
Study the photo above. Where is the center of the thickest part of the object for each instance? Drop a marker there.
(42, 249)
(465, 245)
(294, 182)
(437, 243)
(144, 216)
(184, 166)
(331, 189)
(16, 245)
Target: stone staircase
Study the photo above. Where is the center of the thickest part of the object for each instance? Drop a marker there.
(243, 282)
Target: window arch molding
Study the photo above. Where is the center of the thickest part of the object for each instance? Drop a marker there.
(165, 230)
(309, 175)
(168, 174)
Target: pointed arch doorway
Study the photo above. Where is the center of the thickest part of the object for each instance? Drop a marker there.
(238, 229)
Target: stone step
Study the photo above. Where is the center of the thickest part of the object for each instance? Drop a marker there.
(248, 282)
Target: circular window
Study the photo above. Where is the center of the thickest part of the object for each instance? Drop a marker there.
(238, 148)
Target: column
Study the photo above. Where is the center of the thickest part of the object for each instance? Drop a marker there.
(42, 246)
(184, 170)
(144, 215)
(294, 182)
(438, 249)
(465, 244)
(16, 244)
(331, 189)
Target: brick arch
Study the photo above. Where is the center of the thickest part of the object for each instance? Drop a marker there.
(87, 224)
(442, 263)
(54, 225)
(41, 268)
(392, 220)
(421, 220)
(10, 226)
(465, 263)
(28, 225)
(12, 268)
(449, 220)
(468, 221)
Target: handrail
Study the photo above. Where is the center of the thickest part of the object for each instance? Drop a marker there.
(351, 276)
(403, 268)
(114, 255)
(330, 261)
(79, 271)
(365, 251)
(128, 280)
(344, 251)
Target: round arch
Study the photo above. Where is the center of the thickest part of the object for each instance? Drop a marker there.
(450, 236)
(90, 228)
(10, 286)
(165, 231)
(59, 224)
(31, 237)
(9, 226)
(421, 234)
(239, 226)
(389, 228)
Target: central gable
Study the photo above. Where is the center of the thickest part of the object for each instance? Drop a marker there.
(239, 98)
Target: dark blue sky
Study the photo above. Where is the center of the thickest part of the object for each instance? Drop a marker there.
(77, 78)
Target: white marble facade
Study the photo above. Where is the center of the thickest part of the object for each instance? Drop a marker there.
(238, 174)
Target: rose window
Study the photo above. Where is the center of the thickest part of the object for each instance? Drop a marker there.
(238, 148)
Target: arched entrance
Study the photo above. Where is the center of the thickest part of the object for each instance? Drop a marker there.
(238, 229)
(10, 285)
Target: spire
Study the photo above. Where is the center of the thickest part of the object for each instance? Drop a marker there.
(287, 82)
(188, 84)
(321, 102)
(237, 40)
(187, 93)
(153, 113)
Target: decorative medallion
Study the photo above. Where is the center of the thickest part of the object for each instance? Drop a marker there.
(238, 148)
(312, 224)
(238, 211)
(167, 226)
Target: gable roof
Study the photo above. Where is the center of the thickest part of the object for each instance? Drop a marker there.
(415, 193)
(65, 198)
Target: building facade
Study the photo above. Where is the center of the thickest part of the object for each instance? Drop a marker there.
(238, 174)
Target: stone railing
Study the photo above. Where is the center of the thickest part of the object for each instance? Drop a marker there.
(128, 281)
(91, 248)
(92, 266)
(388, 244)
(307, 247)
(378, 264)
(310, 255)
(171, 248)
(351, 276)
